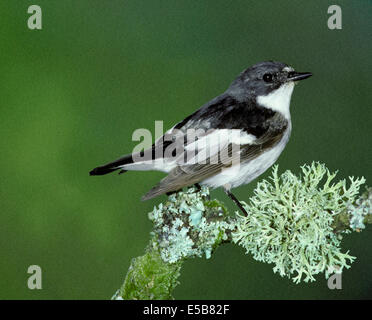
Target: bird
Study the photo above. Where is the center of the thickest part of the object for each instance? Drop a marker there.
(229, 141)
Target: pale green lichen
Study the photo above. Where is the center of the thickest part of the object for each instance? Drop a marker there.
(360, 210)
(290, 219)
(189, 225)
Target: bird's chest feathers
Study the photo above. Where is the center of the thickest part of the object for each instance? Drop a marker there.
(278, 100)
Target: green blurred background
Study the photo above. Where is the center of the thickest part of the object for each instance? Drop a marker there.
(72, 94)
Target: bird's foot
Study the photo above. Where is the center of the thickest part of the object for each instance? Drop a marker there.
(237, 202)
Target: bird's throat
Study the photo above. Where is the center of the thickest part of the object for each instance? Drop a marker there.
(279, 99)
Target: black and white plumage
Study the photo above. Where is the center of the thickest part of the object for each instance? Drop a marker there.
(240, 134)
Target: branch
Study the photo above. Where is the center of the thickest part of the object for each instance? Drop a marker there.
(150, 278)
(294, 222)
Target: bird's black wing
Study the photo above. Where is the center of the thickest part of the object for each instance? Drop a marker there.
(222, 112)
(227, 112)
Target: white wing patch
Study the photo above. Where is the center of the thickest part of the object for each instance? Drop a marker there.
(222, 136)
(208, 145)
(243, 173)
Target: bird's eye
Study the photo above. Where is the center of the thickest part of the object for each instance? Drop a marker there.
(267, 77)
(290, 74)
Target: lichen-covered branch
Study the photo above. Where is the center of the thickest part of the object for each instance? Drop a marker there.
(356, 216)
(294, 222)
(187, 225)
(149, 277)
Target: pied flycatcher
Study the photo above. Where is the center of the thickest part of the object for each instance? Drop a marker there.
(236, 136)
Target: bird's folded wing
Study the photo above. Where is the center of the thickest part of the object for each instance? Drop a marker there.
(229, 154)
(178, 148)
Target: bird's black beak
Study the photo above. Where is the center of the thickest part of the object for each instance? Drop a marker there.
(295, 76)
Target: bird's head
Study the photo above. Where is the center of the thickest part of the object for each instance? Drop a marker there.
(266, 77)
(268, 83)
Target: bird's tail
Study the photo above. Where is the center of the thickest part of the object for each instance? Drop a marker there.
(112, 166)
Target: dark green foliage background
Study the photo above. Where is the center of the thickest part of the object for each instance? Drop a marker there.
(72, 94)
